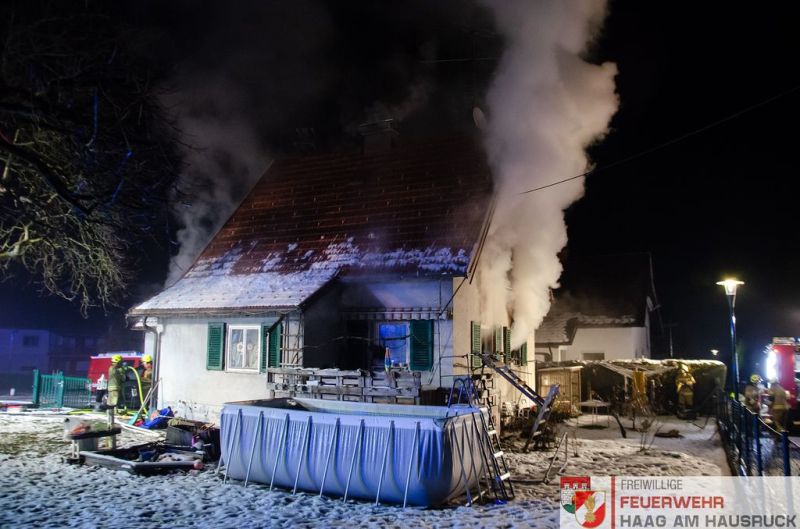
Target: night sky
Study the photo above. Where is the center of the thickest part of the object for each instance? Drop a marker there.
(716, 202)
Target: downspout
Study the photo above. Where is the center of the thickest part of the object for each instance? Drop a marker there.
(156, 359)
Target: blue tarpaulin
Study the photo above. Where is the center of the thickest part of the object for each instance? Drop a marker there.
(425, 455)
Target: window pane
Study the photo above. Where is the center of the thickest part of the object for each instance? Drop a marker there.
(236, 352)
(251, 349)
(395, 337)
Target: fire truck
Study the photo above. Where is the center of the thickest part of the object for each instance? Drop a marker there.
(98, 374)
(783, 365)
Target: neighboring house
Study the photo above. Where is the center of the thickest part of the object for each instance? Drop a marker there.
(602, 312)
(70, 352)
(330, 260)
(23, 350)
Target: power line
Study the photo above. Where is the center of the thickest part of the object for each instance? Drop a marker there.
(670, 142)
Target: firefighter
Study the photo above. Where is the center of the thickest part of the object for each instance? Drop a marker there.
(777, 405)
(146, 375)
(116, 377)
(752, 394)
(684, 384)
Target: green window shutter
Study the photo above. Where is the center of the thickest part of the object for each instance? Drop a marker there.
(275, 346)
(523, 354)
(498, 343)
(475, 343)
(421, 345)
(215, 356)
(507, 354)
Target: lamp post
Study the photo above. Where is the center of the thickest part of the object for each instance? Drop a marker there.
(730, 286)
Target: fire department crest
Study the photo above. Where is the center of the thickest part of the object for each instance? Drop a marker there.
(578, 498)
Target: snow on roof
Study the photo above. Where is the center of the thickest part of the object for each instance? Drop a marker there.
(415, 210)
(211, 285)
(626, 367)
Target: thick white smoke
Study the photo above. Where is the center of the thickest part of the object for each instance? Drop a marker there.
(546, 105)
(223, 161)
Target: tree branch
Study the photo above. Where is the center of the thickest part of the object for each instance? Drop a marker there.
(47, 172)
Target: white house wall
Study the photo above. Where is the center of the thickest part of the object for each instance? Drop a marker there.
(193, 391)
(614, 342)
(466, 309)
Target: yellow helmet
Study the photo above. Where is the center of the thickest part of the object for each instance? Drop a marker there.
(116, 359)
(755, 379)
(147, 359)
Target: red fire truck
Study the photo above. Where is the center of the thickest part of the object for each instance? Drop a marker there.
(783, 365)
(98, 374)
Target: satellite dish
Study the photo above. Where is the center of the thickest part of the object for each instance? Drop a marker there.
(479, 118)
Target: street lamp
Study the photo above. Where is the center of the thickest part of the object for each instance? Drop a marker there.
(714, 352)
(730, 286)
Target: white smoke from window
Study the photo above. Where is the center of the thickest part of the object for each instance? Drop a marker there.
(546, 105)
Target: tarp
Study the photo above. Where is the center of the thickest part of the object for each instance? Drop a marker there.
(426, 454)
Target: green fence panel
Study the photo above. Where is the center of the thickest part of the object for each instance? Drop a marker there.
(58, 391)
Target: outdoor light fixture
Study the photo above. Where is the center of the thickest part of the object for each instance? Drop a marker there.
(715, 352)
(730, 285)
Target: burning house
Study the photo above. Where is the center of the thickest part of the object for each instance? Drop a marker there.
(348, 272)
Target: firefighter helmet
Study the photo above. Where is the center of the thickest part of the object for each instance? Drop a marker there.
(755, 379)
(147, 359)
(116, 359)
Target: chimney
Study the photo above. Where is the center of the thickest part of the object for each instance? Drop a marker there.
(379, 136)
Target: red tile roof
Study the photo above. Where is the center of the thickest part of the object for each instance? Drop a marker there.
(415, 209)
(417, 197)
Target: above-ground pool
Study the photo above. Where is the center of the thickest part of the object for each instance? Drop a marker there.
(420, 455)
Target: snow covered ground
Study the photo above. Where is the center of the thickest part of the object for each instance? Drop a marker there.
(38, 490)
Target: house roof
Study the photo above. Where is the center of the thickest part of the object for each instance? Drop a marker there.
(413, 210)
(599, 292)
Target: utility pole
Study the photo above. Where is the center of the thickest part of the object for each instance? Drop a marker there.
(670, 326)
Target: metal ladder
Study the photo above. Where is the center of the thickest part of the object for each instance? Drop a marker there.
(544, 404)
(496, 473)
(542, 417)
(506, 372)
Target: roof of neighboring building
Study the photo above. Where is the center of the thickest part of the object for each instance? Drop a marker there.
(413, 210)
(599, 292)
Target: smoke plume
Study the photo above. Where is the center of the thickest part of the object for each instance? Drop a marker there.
(546, 105)
(222, 162)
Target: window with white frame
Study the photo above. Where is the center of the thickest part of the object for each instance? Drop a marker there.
(244, 348)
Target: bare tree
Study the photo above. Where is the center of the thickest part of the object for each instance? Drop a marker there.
(86, 157)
